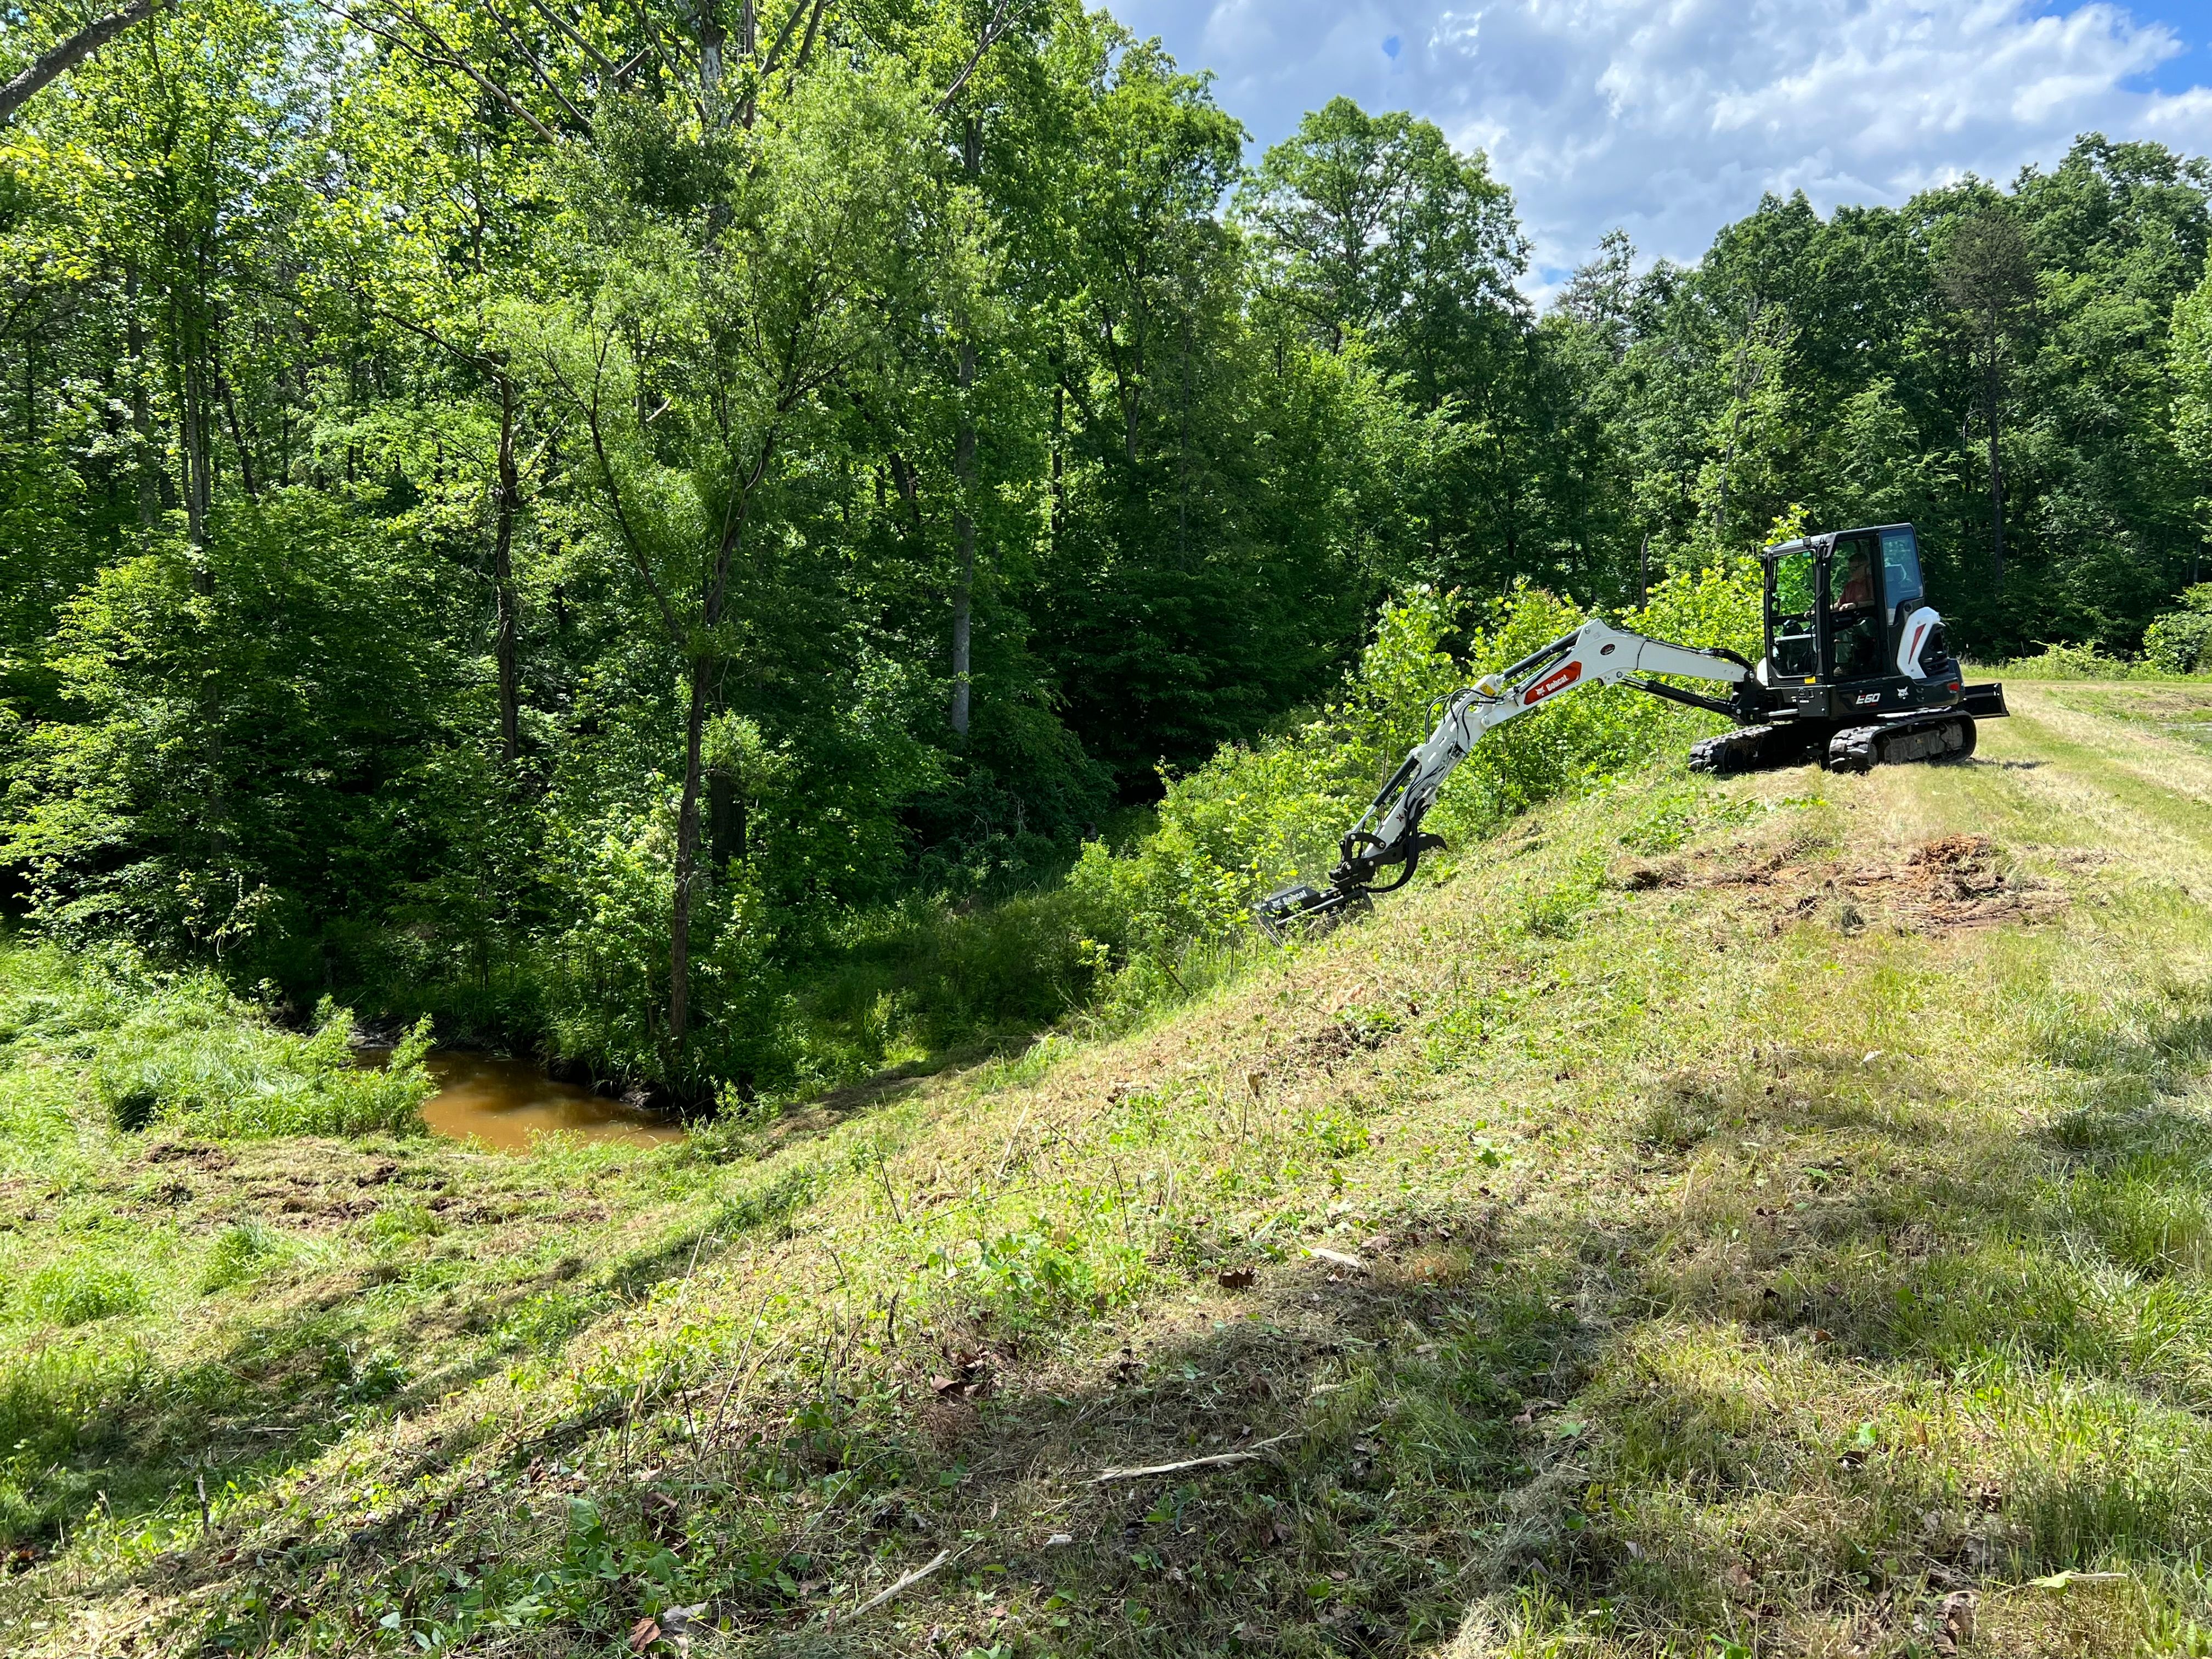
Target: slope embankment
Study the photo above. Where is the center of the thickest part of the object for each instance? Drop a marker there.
(1743, 1218)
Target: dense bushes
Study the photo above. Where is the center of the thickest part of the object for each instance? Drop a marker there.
(2180, 641)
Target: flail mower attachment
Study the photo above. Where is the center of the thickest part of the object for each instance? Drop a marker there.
(1302, 904)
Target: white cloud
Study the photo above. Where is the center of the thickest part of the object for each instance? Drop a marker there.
(1670, 117)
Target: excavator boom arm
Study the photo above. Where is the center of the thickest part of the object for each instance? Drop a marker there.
(1389, 832)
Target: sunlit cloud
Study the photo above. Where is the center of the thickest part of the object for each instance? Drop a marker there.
(1670, 119)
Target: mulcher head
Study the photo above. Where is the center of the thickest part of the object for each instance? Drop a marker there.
(1301, 905)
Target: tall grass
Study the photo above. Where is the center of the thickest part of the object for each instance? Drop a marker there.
(105, 1033)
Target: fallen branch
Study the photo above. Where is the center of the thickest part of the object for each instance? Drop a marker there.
(1218, 1461)
(905, 1583)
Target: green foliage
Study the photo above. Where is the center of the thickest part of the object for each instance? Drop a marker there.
(239, 1252)
(181, 1051)
(2068, 662)
(79, 1289)
(2177, 642)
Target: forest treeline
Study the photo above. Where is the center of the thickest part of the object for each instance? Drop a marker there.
(621, 526)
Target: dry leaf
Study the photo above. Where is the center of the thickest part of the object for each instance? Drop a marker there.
(1955, 1624)
(643, 1635)
(1235, 1279)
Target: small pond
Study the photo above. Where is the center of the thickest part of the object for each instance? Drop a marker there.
(507, 1103)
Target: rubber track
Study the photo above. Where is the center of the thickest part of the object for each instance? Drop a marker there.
(1861, 748)
(1748, 749)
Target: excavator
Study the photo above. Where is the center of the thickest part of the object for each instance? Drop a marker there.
(1856, 674)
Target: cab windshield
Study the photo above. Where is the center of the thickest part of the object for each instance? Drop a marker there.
(1796, 651)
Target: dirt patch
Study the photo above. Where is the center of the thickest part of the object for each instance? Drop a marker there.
(1947, 884)
(1955, 881)
(207, 1157)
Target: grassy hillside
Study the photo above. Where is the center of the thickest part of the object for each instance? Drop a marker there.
(1765, 1217)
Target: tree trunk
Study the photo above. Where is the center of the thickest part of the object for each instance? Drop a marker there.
(703, 668)
(147, 472)
(53, 64)
(237, 435)
(963, 592)
(711, 37)
(1059, 446)
(1182, 456)
(963, 467)
(194, 439)
(1996, 477)
(687, 863)
(503, 576)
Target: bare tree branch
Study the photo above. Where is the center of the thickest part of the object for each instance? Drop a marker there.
(992, 31)
(59, 60)
(607, 66)
(806, 47)
(444, 56)
(782, 37)
(513, 33)
(454, 59)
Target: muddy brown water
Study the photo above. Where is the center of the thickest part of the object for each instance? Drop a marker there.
(507, 1103)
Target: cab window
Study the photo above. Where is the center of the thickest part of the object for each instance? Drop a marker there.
(1854, 619)
(1900, 571)
(1851, 576)
(1795, 653)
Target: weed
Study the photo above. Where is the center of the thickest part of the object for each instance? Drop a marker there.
(239, 1252)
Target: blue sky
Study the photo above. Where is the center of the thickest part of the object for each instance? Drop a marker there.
(1668, 118)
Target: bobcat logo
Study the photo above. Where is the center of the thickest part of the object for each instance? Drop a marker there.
(1557, 680)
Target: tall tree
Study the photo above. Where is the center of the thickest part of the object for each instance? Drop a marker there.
(1988, 278)
(696, 362)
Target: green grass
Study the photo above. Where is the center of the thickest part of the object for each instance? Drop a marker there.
(1768, 1233)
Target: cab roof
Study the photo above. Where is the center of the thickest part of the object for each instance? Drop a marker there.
(1821, 541)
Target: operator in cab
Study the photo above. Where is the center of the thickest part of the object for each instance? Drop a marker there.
(1853, 619)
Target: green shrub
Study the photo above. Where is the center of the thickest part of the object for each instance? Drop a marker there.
(204, 1063)
(180, 1050)
(1253, 818)
(2180, 641)
(2067, 662)
(606, 975)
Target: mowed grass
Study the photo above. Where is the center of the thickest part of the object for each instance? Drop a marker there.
(1766, 1217)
